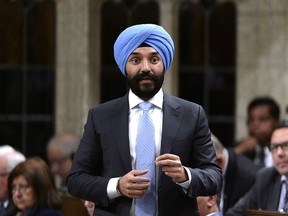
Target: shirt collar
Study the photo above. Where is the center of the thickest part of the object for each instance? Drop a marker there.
(283, 178)
(157, 100)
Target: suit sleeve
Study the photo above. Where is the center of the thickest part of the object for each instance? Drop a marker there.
(264, 194)
(246, 202)
(205, 172)
(85, 180)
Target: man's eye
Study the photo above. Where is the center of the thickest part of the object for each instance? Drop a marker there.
(135, 60)
(155, 59)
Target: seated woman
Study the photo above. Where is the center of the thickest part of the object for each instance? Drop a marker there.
(33, 189)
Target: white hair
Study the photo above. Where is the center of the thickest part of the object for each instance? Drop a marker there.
(4, 149)
(12, 157)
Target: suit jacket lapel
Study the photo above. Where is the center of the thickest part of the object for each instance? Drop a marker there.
(171, 115)
(274, 194)
(120, 114)
(119, 129)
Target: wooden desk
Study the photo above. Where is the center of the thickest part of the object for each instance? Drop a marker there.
(72, 206)
(265, 213)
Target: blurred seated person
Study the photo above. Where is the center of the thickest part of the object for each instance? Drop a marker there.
(269, 191)
(60, 151)
(9, 158)
(207, 206)
(33, 189)
(239, 174)
(263, 114)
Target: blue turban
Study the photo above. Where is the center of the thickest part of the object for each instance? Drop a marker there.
(153, 35)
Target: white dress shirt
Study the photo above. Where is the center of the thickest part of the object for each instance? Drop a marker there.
(268, 161)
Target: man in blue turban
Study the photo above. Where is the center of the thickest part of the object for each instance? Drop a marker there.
(147, 153)
(144, 35)
(150, 34)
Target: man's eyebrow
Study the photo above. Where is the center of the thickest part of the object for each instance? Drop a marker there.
(155, 53)
(152, 53)
(135, 53)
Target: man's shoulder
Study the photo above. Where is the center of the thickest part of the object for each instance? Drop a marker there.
(111, 103)
(267, 176)
(268, 171)
(174, 99)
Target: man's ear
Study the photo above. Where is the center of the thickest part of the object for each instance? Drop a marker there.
(211, 200)
(220, 160)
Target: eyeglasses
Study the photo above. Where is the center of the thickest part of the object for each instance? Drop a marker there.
(274, 147)
(21, 189)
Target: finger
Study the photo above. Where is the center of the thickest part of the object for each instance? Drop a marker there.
(172, 169)
(141, 180)
(137, 190)
(139, 172)
(135, 180)
(138, 186)
(169, 163)
(166, 162)
(167, 156)
(136, 193)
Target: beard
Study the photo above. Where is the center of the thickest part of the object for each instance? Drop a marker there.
(145, 91)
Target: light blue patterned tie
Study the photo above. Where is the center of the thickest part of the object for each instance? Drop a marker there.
(145, 159)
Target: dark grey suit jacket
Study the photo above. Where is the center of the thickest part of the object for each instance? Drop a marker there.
(104, 153)
(239, 178)
(263, 195)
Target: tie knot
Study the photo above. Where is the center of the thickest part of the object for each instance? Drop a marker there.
(145, 106)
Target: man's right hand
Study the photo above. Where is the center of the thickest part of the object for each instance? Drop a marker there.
(132, 185)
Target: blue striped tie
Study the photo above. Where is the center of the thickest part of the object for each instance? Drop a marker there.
(145, 159)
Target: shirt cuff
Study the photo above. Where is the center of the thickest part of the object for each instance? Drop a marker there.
(112, 191)
(185, 185)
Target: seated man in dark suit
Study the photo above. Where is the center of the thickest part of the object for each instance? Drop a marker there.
(60, 152)
(239, 174)
(269, 190)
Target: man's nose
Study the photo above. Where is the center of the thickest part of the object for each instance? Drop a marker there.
(145, 66)
(279, 150)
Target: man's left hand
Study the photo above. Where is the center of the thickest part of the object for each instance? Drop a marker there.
(172, 167)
